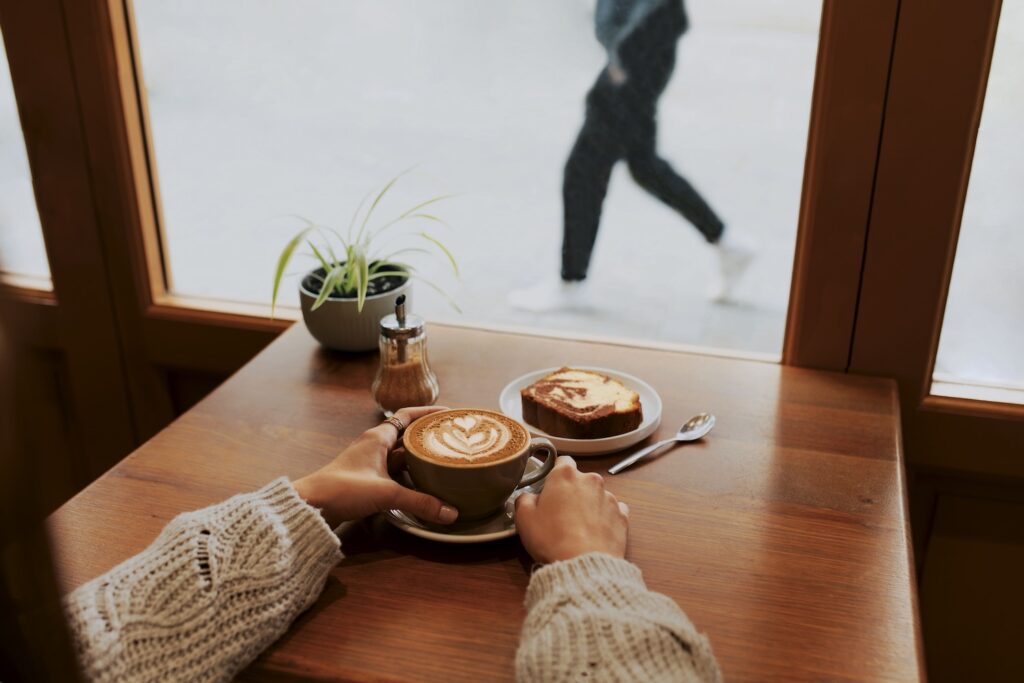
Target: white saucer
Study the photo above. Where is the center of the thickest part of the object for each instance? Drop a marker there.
(493, 528)
(510, 403)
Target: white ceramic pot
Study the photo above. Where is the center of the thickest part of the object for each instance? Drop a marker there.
(339, 325)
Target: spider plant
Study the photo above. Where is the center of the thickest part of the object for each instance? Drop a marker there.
(362, 265)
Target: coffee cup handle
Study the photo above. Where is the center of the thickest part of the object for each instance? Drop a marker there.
(537, 445)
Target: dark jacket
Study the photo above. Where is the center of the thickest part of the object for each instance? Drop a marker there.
(616, 21)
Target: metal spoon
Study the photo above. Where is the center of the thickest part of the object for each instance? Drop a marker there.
(696, 427)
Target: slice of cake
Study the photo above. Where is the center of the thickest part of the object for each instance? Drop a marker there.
(581, 404)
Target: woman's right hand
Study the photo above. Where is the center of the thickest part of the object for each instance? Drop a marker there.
(572, 516)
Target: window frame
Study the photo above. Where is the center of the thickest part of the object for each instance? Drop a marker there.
(939, 79)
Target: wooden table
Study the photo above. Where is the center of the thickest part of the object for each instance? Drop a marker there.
(784, 535)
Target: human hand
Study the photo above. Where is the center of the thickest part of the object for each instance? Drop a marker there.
(617, 75)
(356, 483)
(572, 516)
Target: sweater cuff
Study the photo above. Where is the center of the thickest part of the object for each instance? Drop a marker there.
(306, 527)
(580, 574)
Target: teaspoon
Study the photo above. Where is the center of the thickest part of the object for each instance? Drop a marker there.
(696, 427)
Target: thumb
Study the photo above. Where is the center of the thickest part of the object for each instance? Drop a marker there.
(526, 505)
(422, 505)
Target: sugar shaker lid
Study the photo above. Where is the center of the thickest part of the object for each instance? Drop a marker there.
(398, 325)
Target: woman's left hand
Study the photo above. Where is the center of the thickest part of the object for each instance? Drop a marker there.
(356, 483)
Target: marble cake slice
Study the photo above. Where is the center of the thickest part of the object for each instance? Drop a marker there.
(581, 404)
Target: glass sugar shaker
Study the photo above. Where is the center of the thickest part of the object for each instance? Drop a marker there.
(404, 377)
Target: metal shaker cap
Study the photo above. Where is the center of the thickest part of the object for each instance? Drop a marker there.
(398, 325)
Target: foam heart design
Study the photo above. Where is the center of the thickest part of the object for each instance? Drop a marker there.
(466, 422)
(463, 439)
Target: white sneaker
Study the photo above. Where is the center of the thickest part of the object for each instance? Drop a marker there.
(551, 295)
(735, 251)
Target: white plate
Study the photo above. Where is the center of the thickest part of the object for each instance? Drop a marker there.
(510, 403)
(490, 529)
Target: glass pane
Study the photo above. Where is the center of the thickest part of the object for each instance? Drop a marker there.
(983, 329)
(22, 252)
(261, 111)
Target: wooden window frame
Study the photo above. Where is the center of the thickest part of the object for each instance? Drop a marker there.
(158, 331)
(72, 324)
(850, 90)
(939, 78)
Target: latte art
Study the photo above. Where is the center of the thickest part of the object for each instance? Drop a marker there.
(466, 437)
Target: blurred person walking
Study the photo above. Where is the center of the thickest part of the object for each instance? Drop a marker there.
(621, 123)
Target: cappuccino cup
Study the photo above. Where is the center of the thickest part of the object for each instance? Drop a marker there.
(473, 459)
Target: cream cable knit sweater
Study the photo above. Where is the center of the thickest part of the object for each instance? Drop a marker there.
(221, 584)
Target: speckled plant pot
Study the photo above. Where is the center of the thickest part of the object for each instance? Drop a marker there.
(339, 325)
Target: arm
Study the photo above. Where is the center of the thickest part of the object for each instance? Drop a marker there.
(594, 614)
(221, 584)
(209, 594)
(589, 613)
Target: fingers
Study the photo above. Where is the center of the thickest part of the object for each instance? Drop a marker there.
(526, 501)
(567, 473)
(396, 462)
(410, 415)
(614, 503)
(424, 506)
(386, 434)
(566, 470)
(526, 506)
(564, 465)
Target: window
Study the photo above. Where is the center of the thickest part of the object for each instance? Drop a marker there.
(261, 112)
(979, 353)
(22, 252)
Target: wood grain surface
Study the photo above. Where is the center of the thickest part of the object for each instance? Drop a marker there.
(783, 535)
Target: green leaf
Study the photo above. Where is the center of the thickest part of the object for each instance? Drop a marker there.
(355, 215)
(437, 243)
(390, 273)
(350, 275)
(362, 280)
(376, 201)
(350, 272)
(327, 242)
(282, 263)
(432, 200)
(325, 290)
(356, 281)
(383, 260)
(316, 252)
(320, 229)
(412, 213)
(429, 217)
(451, 301)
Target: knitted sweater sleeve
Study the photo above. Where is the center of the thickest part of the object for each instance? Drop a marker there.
(211, 592)
(592, 618)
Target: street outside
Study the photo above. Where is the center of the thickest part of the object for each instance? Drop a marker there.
(487, 98)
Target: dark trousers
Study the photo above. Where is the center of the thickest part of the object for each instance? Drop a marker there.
(621, 123)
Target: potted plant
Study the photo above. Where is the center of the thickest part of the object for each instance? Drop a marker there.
(355, 285)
